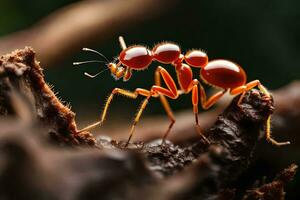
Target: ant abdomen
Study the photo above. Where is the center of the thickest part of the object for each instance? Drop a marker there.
(166, 53)
(136, 57)
(224, 74)
(196, 58)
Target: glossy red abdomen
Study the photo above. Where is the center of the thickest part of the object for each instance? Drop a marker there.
(224, 74)
(196, 58)
(136, 57)
(166, 53)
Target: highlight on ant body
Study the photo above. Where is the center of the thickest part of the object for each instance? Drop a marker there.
(223, 74)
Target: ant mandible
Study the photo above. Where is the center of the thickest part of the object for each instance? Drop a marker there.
(223, 74)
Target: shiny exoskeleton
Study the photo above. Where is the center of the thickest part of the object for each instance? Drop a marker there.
(220, 73)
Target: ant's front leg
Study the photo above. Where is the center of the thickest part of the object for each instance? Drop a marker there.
(126, 93)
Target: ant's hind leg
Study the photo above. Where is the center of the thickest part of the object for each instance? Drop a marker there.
(269, 137)
(242, 90)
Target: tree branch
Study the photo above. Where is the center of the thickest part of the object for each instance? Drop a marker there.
(80, 24)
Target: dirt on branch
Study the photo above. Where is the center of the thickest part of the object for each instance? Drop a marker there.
(44, 157)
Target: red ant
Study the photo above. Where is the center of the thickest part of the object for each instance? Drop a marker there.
(220, 73)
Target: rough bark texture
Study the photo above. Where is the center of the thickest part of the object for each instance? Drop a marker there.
(274, 189)
(21, 73)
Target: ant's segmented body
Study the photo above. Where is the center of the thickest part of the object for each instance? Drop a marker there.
(223, 74)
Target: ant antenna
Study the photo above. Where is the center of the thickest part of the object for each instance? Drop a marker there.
(93, 76)
(94, 51)
(88, 61)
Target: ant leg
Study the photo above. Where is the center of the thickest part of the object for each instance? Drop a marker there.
(166, 106)
(243, 90)
(171, 92)
(206, 104)
(156, 91)
(195, 101)
(239, 90)
(137, 118)
(126, 93)
(269, 137)
(170, 114)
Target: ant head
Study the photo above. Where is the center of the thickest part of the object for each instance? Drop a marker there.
(132, 58)
(118, 71)
(135, 57)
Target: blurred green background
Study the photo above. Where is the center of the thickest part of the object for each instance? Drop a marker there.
(263, 36)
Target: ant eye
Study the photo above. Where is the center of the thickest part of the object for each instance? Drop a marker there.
(196, 58)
